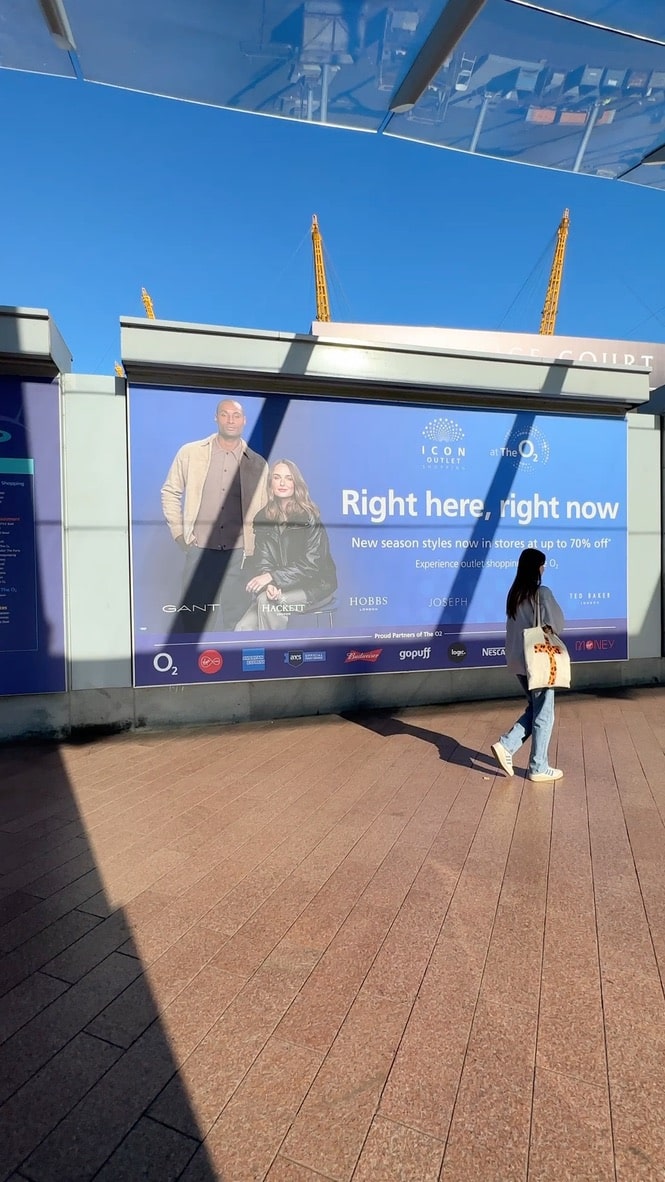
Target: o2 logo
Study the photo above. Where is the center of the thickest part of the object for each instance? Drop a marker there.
(163, 663)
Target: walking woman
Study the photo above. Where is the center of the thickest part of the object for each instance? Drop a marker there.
(296, 571)
(537, 720)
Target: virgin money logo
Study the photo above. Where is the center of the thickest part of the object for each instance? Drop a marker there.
(366, 654)
(603, 646)
(210, 661)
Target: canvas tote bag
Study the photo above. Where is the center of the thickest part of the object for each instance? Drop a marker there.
(545, 656)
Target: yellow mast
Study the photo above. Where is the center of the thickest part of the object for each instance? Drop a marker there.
(320, 281)
(147, 304)
(548, 319)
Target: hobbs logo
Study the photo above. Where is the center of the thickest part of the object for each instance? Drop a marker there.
(494, 652)
(368, 601)
(366, 654)
(588, 646)
(415, 654)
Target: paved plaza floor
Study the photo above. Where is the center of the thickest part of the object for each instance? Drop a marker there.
(338, 948)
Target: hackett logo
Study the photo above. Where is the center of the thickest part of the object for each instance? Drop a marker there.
(210, 661)
(371, 654)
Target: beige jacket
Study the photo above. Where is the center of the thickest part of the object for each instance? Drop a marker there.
(183, 488)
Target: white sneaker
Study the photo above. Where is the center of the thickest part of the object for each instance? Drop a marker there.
(503, 758)
(546, 777)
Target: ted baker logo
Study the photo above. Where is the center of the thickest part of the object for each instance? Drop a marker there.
(367, 654)
(210, 661)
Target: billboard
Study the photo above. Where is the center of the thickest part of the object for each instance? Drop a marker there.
(32, 641)
(403, 531)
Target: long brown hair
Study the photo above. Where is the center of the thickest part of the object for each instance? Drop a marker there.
(299, 507)
(526, 582)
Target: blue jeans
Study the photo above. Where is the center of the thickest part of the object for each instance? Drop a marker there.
(536, 722)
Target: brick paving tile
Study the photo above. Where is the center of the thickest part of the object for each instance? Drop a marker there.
(336, 950)
(15, 904)
(267, 1099)
(35, 1110)
(35, 1043)
(26, 1000)
(130, 1014)
(76, 850)
(150, 1152)
(45, 911)
(40, 949)
(394, 1153)
(78, 958)
(33, 843)
(94, 1129)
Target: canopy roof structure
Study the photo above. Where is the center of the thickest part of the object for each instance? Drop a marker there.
(577, 85)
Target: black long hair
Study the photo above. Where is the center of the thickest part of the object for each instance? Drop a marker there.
(526, 582)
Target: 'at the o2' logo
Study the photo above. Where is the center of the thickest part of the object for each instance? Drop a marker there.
(163, 663)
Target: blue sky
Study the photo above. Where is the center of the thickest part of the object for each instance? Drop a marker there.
(105, 191)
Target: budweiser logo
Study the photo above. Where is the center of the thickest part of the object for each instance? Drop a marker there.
(367, 654)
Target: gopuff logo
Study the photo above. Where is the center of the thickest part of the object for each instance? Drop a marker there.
(444, 447)
(368, 603)
(589, 646)
(415, 654)
(5, 436)
(525, 448)
(363, 654)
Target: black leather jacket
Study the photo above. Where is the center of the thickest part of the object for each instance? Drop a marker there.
(297, 555)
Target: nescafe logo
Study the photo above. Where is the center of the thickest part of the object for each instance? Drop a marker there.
(457, 652)
(210, 661)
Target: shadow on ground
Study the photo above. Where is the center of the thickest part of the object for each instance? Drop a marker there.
(83, 1052)
(450, 749)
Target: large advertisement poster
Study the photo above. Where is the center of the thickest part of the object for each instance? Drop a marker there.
(278, 537)
(32, 641)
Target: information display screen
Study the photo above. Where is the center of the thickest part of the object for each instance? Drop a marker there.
(32, 650)
(385, 537)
